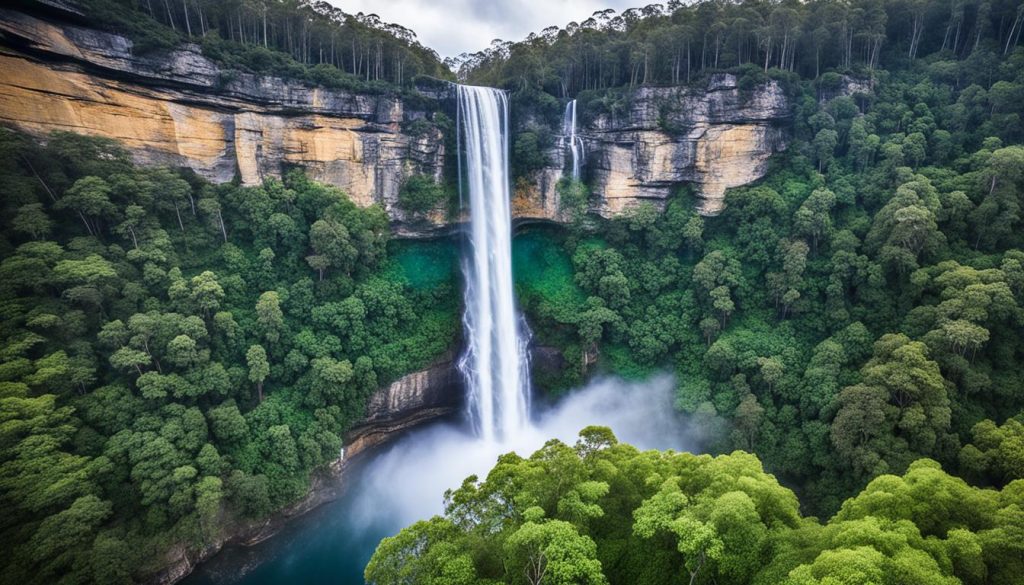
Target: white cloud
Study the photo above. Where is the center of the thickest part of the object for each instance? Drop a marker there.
(451, 27)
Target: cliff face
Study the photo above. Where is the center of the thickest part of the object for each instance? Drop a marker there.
(714, 137)
(180, 109)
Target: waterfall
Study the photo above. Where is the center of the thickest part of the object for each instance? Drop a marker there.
(494, 364)
(575, 141)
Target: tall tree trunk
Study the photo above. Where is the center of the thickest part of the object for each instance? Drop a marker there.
(86, 222)
(170, 18)
(1011, 41)
(188, 24)
(223, 228)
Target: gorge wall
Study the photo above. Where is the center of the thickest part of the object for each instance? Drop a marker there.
(181, 109)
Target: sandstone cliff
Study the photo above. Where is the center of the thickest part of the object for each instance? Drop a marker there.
(181, 109)
(713, 137)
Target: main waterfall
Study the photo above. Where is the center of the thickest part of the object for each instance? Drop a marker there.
(495, 364)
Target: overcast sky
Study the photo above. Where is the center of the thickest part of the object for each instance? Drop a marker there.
(451, 27)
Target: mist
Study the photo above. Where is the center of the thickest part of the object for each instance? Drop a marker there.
(406, 483)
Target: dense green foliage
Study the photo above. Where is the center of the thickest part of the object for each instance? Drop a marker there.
(859, 308)
(311, 41)
(420, 194)
(178, 356)
(603, 512)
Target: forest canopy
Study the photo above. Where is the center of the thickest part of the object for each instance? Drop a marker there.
(178, 356)
(312, 41)
(675, 42)
(604, 512)
(858, 308)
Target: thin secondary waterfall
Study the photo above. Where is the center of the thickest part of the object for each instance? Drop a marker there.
(495, 364)
(574, 140)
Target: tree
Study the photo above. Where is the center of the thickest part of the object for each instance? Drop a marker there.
(825, 142)
(134, 215)
(89, 197)
(212, 208)
(747, 419)
(269, 316)
(206, 293)
(693, 233)
(716, 276)
(906, 228)
(227, 423)
(901, 408)
(813, 218)
(33, 221)
(183, 352)
(333, 247)
(551, 552)
(259, 367)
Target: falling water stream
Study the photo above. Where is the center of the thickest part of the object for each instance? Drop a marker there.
(494, 364)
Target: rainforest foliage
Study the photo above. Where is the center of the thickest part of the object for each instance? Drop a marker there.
(311, 41)
(603, 512)
(674, 42)
(178, 357)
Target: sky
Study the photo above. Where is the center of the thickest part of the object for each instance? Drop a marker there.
(451, 27)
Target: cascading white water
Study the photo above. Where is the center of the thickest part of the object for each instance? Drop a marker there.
(574, 140)
(495, 364)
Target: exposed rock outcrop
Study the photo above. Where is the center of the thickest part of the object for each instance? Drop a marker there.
(181, 109)
(714, 137)
(412, 399)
